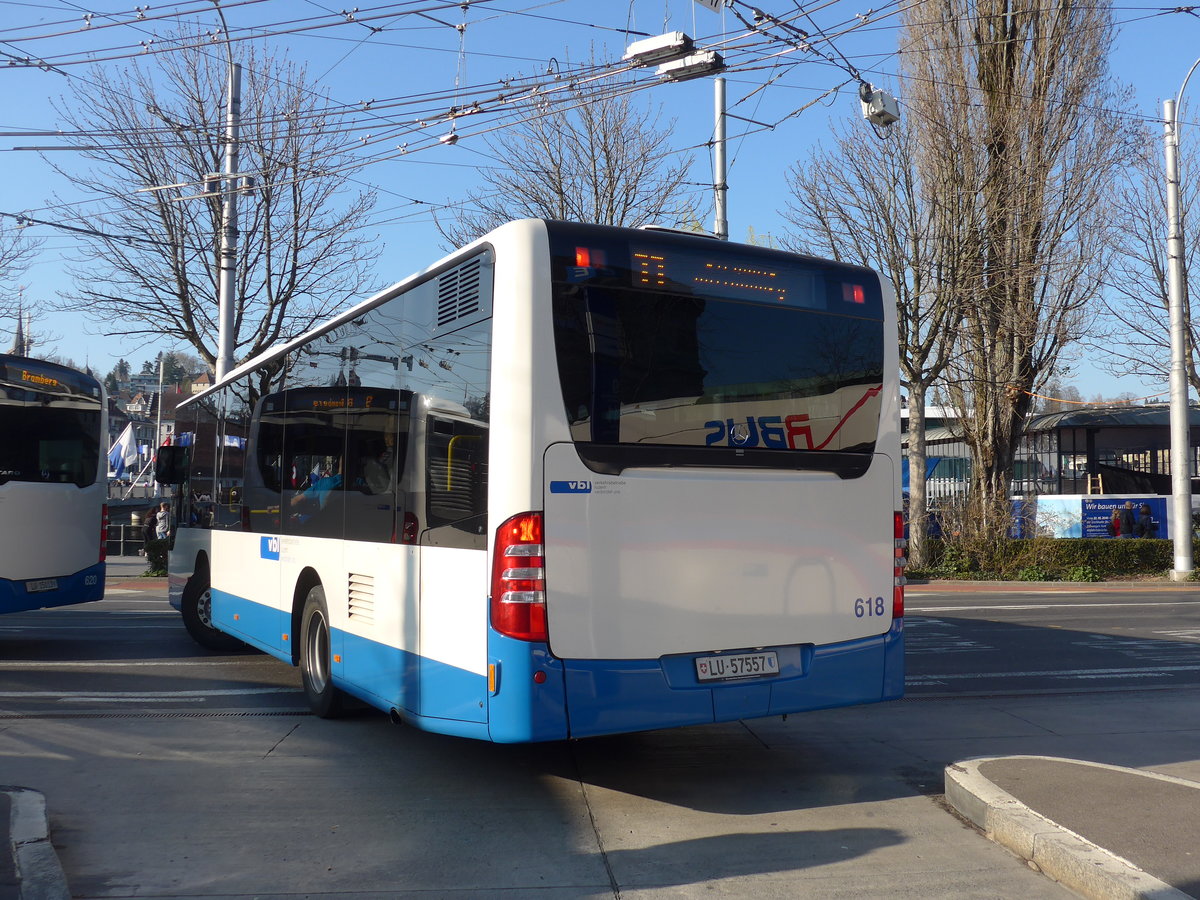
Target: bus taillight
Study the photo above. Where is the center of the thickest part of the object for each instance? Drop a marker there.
(898, 565)
(518, 603)
(103, 532)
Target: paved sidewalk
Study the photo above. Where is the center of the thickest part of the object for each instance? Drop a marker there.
(1107, 832)
(29, 867)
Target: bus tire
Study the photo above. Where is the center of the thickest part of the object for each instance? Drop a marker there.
(196, 607)
(316, 666)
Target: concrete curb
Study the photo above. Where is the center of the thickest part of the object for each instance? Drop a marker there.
(1062, 854)
(39, 873)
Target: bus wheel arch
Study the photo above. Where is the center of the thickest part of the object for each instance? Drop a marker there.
(316, 660)
(196, 608)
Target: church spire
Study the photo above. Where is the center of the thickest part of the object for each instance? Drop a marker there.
(19, 346)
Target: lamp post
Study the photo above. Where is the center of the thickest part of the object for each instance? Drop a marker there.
(1181, 450)
(227, 284)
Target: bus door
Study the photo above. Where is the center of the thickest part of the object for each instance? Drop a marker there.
(454, 567)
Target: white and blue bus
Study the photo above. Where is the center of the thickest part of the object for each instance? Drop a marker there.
(571, 480)
(53, 485)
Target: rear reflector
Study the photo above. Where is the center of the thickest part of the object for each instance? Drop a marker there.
(103, 533)
(518, 603)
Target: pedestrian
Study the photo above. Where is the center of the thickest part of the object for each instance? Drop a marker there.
(149, 526)
(1127, 520)
(162, 529)
(1145, 526)
(1114, 524)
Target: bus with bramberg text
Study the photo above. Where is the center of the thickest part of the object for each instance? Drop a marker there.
(53, 485)
(571, 480)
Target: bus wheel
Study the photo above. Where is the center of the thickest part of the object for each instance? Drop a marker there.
(196, 607)
(324, 699)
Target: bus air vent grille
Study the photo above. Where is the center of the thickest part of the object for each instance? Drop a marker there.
(362, 597)
(458, 292)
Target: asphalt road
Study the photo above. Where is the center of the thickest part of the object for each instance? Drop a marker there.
(1055, 638)
(170, 772)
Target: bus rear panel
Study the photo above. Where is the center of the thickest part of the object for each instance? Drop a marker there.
(53, 491)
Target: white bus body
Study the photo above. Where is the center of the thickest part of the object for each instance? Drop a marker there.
(53, 492)
(638, 480)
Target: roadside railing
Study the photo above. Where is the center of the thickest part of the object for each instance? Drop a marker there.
(126, 540)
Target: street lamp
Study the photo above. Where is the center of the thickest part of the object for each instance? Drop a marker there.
(227, 285)
(1181, 450)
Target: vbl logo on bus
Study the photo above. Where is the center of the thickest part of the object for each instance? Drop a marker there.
(773, 432)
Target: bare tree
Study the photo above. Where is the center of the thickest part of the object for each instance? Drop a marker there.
(149, 269)
(1058, 397)
(17, 252)
(994, 86)
(588, 155)
(1136, 335)
(864, 202)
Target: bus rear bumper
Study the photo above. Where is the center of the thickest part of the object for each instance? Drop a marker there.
(84, 586)
(614, 696)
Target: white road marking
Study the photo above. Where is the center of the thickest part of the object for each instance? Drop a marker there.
(1142, 604)
(1074, 674)
(25, 665)
(124, 696)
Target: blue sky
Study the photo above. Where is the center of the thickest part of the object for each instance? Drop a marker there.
(413, 55)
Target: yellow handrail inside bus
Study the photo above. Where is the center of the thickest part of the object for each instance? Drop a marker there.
(450, 457)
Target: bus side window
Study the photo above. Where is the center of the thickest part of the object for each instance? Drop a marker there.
(456, 482)
(231, 463)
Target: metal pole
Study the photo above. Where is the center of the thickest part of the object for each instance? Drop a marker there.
(720, 188)
(229, 222)
(158, 419)
(1181, 451)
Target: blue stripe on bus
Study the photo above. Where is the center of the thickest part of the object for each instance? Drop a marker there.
(521, 709)
(390, 678)
(385, 677)
(256, 624)
(581, 698)
(14, 597)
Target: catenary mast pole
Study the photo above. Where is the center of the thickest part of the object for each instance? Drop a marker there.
(1181, 450)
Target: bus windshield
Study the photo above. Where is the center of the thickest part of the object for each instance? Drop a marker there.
(658, 343)
(50, 419)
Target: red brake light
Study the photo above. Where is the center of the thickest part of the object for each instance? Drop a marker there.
(518, 604)
(898, 566)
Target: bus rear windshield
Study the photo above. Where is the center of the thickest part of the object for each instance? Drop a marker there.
(666, 342)
(49, 444)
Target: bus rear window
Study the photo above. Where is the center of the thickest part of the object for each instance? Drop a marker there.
(718, 348)
(49, 444)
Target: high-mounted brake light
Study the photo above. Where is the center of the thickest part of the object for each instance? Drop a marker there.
(898, 565)
(854, 293)
(586, 257)
(518, 603)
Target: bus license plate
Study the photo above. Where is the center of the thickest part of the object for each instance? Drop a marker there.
(45, 584)
(737, 665)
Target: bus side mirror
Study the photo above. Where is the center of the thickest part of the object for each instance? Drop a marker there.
(171, 465)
